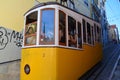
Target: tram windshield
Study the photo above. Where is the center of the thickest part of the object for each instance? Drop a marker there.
(30, 29)
(47, 26)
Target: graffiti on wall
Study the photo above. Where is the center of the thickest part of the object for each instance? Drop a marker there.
(7, 36)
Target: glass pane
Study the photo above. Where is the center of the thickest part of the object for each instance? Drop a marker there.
(88, 33)
(72, 36)
(62, 28)
(98, 34)
(92, 36)
(95, 32)
(30, 29)
(79, 36)
(47, 27)
(84, 30)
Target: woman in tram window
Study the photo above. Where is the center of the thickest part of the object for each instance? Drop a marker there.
(31, 39)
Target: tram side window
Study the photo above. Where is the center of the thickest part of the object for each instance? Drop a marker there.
(30, 29)
(79, 35)
(98, 34)
(84, 30)
(72, 36)
(95, 32)
(88, 33)
(93, 42)
(47, 26)
(62, 28)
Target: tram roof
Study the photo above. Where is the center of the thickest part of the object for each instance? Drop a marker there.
(52, 3)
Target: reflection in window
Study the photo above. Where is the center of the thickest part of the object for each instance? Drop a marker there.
(30, 29)
(79, 36)
(84, 30)
(88, 33)
(72, 36)
(62, 28)
(47, 26)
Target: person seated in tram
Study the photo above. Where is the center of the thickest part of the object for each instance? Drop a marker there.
(31, 39)
(61, 33)
(72, 39)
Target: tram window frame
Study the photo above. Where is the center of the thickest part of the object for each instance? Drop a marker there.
(52, 42)
(72, 38)
(62, 30)
(79, 35)
(84, 30)
(31, 29)
(89, 36)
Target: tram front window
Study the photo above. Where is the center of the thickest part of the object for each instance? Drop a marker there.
(30, 29)
(47, 26)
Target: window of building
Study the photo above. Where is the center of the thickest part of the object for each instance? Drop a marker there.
(89, 33)
(72, 36)
(79, 35)
(71, 4)
(62, 28)
(47, 26)
(84, 30)
(31, 28)
(86, 2)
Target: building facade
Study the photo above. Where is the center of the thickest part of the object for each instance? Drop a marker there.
(113, 33)
(104, 22)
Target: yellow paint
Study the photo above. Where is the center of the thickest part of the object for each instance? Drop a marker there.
(42, 62)
(59, 63)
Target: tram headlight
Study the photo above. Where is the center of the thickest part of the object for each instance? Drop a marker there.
(27, 69)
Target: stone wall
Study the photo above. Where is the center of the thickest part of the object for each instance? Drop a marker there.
(10, 70)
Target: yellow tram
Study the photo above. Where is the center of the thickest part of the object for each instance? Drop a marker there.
(59, 43)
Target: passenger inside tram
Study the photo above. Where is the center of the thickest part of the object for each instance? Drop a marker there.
(61, 34)
(31, 39)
